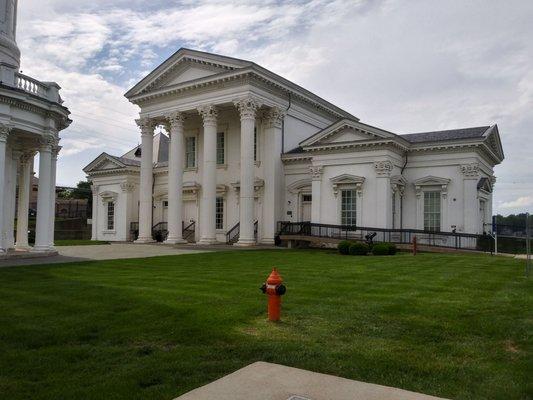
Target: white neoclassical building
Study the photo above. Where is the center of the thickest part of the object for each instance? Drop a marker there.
(31, 116)
(244, 148)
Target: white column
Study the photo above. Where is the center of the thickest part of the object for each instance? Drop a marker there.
(11, 189)
(94, 226)
(147, 178)
(316, 195)
(4, 133)
(175, 178)
(383, 199)
(42, 230)
(470, 197)
(209, 184)
(247, 108)
(273, 173)
(55, 152)
(24, 200)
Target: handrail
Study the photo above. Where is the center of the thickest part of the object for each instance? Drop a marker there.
(188, 230)
(401, 236)
(233, 234)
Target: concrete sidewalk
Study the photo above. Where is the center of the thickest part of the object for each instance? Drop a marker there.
(265, 381)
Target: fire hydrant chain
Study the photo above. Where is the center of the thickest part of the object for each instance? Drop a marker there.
(274, 289)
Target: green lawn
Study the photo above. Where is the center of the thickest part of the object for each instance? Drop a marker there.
(78, 242)
(448, 325)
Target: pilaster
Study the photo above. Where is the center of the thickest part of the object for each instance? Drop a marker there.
(471, 175)
(383, 218)
(316, 172)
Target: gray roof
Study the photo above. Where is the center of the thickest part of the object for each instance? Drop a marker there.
(452, 134)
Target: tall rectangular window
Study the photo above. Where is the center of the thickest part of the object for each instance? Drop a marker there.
(110, 216)
(432, 211)
(220, 148)
(190, 152)
(219, 213)
(255, 143)
(348, 207)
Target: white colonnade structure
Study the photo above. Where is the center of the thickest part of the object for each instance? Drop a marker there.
(31, 117)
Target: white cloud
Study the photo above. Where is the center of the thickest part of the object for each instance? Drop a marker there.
(521, 202)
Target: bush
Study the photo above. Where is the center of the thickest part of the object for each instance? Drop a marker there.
(384, 249)
(359, 249)
(380, 249)
(344, 247)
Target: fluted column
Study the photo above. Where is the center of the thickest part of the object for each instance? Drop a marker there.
(209, 183)
(247, 108)
(55, 153)
(4, 133)
(273, 174)
(175, 178)
(11, 190)
(145, 194)
(24, 200)
(94, 218)
(42, 230)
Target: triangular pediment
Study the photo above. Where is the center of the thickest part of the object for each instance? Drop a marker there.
(346, 131)
(493, 142)
(186, 66)
(103, 162)
(431, 181)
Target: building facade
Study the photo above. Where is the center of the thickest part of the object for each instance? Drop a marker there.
(244, 148)
(31, 116)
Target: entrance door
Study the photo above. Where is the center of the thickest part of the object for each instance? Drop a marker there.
(305, 207)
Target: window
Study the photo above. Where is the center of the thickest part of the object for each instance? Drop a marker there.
(432, 211)
(110, 216)
(220, 148)
(219, 213)
(165, 204)
(255, 143)
(307, 198)
(348, 209)
(190, 152)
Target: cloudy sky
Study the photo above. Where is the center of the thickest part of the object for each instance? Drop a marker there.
(403, 65)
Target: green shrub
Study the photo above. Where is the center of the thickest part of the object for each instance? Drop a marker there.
(392, 249)
(359, 249)
(344, 247)
(380, 249)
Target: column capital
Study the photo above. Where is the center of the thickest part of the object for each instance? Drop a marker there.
(47, 142)
(247, 107)
(316, 172)
(470, 171)
(209, 114)
(94, 189)
(5, 130)
(127, 187)
(273, 117)
(383, 168)
(174, 120)
(27, 156)
(147, 125)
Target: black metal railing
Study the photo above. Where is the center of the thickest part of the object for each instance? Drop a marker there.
(160, 231)
(188, 231)
(399, 236)
(232, 236)
(134, 231)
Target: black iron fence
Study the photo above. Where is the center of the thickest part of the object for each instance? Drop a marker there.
(400, 236)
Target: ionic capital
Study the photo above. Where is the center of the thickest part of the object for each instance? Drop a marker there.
(247, 107)
(274, 117)
(209, 114)
(147, 125)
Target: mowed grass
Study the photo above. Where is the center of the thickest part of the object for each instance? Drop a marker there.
(455, 326)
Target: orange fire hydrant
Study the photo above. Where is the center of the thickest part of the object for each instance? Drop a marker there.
(274, 288)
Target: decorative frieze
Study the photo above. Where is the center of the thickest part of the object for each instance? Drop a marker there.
(209, 114)
(383, 168)
(470, 171)
(247, 107)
